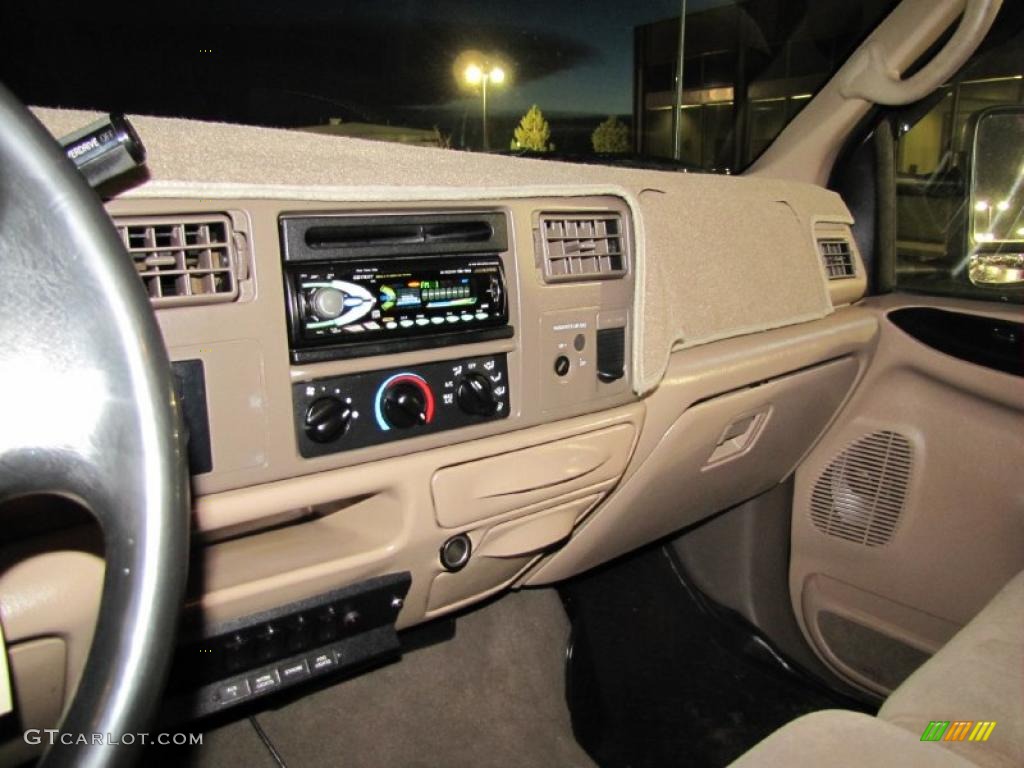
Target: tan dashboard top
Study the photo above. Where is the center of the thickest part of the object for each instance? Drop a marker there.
(715, 257)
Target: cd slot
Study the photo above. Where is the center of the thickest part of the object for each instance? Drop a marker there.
(390, 234)
(378, 236)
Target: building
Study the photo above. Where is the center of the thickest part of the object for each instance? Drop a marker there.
(747, 69)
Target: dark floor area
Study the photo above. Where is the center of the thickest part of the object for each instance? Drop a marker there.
(656, 677)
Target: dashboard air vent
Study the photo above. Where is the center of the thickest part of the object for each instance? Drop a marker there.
(183, 260)
(583, 246)
(836, 257)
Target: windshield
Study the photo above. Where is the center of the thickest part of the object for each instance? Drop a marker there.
(597, 80)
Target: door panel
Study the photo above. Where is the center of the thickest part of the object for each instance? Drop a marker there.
(909, 513)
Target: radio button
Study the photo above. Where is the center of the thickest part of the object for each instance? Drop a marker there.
(327, 303)
(422, 321)
(495, 291)
(437, 320)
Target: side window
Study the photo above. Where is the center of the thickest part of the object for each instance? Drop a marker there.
(960, 177)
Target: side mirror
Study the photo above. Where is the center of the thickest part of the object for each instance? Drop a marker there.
(995, 232)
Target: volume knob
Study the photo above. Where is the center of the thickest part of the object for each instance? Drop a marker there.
(327, 303)
(475, 395)
(327, 419)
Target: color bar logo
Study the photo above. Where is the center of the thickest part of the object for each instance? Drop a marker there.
(958, 730)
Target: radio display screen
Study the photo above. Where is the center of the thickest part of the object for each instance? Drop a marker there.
(346, 302)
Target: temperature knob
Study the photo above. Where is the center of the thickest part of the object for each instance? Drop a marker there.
(475, 395)
(327, 419)
(327, 303)
(405, 400)
(405, 405)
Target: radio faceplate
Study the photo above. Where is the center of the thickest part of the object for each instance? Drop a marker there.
(345, 304)
(359, 286)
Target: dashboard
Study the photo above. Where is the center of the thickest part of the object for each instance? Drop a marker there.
(411, 397)
(336, 355)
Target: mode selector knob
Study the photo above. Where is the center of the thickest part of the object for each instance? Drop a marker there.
(405, 405)
(327, 419)
(327, 303)
(475, 395)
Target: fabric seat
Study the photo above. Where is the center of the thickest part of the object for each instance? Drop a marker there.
(978, 675)
(838, 738)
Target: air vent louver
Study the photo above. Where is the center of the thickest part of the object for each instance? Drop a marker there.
(859, 497)
(183, 260)
(582, 246)
(836, 257)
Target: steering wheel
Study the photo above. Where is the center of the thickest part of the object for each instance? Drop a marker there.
(87, 411)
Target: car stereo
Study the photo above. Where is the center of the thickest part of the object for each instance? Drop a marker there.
(366, 285)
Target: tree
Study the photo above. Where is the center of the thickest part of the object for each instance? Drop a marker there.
(611, 136)
(444, 140)
(533, 132)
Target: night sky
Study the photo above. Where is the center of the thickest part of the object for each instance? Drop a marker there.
(300, 62)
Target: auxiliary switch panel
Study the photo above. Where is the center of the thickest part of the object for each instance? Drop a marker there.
(239, 661)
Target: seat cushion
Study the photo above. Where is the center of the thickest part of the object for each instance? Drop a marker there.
(977, 676)
(836, 738)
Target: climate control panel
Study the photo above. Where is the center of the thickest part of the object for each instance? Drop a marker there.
(342, 413)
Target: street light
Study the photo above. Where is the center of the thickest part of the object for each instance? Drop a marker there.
(482, 74)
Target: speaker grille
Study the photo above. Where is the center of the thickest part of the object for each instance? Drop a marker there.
(859, 497)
